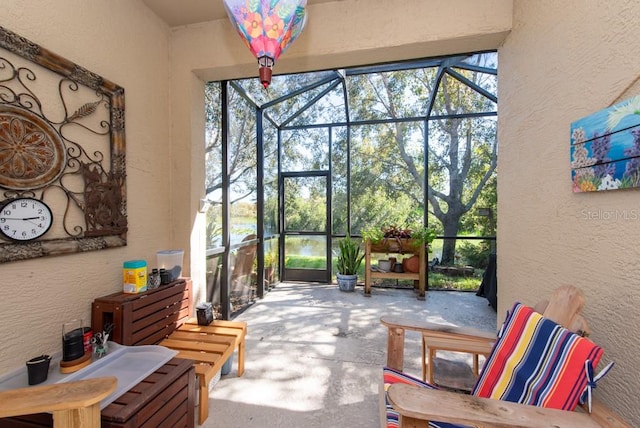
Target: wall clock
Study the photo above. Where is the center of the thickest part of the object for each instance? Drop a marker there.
(25, 219)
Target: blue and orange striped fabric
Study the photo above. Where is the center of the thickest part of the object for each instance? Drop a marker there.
(536, 361)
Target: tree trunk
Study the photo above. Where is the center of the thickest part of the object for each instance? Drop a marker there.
(450, 225)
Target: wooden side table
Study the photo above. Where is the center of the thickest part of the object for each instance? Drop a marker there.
(456, 375)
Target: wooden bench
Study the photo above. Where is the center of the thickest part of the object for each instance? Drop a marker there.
(209, 347)
(163, 316)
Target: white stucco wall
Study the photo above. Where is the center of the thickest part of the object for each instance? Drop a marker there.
(563, 61)
(126, 43)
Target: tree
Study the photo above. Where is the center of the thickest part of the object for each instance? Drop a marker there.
(394, 116)
(462, 150)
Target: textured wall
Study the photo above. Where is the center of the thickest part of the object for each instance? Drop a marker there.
(563, 61)
(127, 44)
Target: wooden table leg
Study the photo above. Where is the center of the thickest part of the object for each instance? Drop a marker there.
(241, 347)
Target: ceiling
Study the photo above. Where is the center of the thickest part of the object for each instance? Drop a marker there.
(185, 12)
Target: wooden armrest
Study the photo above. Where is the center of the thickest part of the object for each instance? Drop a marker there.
(60, 396)
(435, 329)
(425, 404)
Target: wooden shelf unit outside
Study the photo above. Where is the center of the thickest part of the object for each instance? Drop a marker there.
(392, 247)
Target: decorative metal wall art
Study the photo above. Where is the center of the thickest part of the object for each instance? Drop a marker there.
(62, 142)
(605, 148)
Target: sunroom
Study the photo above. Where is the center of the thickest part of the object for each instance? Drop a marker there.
(558, 62)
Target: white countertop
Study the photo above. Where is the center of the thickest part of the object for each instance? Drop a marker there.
(129, 364)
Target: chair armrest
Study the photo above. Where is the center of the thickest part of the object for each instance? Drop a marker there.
(422, 404)
(56, 397)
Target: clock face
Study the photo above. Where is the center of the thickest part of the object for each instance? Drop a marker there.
(25, 219)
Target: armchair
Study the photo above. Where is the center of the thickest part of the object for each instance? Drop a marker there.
(408, 406)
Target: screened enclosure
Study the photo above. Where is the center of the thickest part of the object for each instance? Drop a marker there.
(321, 155)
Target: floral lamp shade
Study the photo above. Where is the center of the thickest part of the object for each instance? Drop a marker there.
(268, 27)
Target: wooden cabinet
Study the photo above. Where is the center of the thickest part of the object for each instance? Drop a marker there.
(402, 246)
(164, 398)
(145, 318)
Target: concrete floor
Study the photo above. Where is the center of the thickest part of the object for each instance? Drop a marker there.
(314, 354)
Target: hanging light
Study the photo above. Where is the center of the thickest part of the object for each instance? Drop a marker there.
(267, 27)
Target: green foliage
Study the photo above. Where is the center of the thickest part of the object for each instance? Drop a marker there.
(350, 257)
(476, 254)
(387, 169)
(372, 233)
(423, 235)
(440, 281)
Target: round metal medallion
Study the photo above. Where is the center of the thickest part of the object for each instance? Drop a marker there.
(32, 153)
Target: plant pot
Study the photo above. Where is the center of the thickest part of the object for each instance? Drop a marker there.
(38, 369)
(411, 264)
(346, 282)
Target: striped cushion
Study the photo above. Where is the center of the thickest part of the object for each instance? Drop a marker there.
(536, 361)
(391, 376)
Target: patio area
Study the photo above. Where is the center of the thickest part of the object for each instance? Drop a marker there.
(314, 354)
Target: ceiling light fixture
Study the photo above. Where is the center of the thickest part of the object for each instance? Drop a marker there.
(268, 27)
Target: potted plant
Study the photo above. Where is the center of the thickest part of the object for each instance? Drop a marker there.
(398, 239)
(349, 261)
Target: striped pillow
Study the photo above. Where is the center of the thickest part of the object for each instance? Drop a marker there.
(536, 361)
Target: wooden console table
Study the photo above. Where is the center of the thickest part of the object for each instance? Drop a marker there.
(392, 247)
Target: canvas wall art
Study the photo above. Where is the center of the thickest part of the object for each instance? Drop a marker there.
(605, 148)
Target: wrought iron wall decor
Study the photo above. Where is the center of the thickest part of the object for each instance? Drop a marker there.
(62, 141)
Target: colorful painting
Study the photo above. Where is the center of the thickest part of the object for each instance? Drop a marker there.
(605, 148)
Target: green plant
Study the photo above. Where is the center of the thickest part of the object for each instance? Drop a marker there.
(271, 258)
(476, 254)
(419, 235)
(423, 235)
(372, 233)
(350, 257)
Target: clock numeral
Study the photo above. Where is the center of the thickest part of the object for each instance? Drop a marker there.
(6, 212)
(23, 204)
